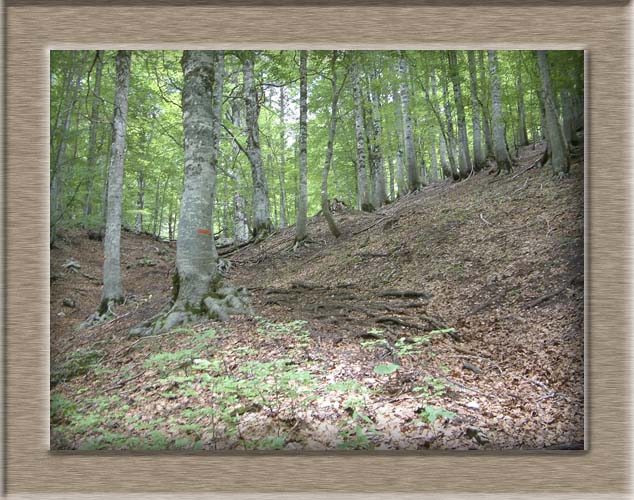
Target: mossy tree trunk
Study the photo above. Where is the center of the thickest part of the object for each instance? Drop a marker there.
(363, 197)
(301, 231)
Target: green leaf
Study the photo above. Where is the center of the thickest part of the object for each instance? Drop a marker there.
(386, 368)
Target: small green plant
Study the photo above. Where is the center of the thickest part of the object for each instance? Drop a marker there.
(166, 361)
(62, 410)
(430, 414)
(386, 368)
(432, 386)
(78, 363)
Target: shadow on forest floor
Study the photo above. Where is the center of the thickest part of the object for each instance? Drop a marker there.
(452, 318)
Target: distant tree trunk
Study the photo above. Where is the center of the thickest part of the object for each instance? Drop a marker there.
(378, 165)
(500, 150)
(216, 117)
(92, 141)
(140, 201)
(302, 204)
(413, 177)
(486, 117)
(463, 142)
(332, 129)
(451, 138)
(362, 177)
(568, 118)
(478, 153)
(60, 159)
(240, 222)
(559, 155)
(401, 182)
(390, 165)
(434, 158)
(112, 285)
(282, 158)
(157, 198)
(522, 135)
(261, 213)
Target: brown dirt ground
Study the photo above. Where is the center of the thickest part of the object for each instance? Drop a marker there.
(497, 259)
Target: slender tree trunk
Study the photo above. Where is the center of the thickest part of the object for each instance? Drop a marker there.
(434, 158)
(478, 153)
(390, 165)
(216, 117)
(500, 150)
(240, 222)
(522, 135)
(568, 118)
(282, 158)
(362, 178)
(451, 138)
(379, 190)
(59, 171)
(157, 198)
(486, 115)
(112, 285)
(329, 149)
(92, 141)
(401, 182)
(463, 142)
(261, 213)
(413, 177)
(559, 155)
(302, 205)
(140, 202)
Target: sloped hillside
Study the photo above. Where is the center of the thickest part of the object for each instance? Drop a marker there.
(452, 318)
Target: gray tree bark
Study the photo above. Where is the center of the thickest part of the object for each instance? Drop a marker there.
(332, 129)
(478, 153)
(112, 284)
(140, 202)
(282, 158)
(401, 182)
(261, 224)
(522, 135)
(240, 221)
(434, 158)
(413, 176)
(558, 152)
(463, 142)
(379, 189)
(92, 141)
(302, 202)
(486, 115)
(500, 150)
(363, 198)
(450, 140)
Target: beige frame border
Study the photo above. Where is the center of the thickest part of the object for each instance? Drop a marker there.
(31, 471)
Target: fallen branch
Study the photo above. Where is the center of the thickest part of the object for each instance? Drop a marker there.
(369, 227)
(550, 295)
(489, 302)
(484, 220)
(396, 321)
(404, 293)
(121, 383)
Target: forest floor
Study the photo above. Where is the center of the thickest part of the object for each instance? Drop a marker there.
(451, 318)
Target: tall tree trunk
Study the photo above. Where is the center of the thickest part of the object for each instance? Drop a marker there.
(302, 203)
(478, 153)
(378, 166)
(216, 119)
(451, 138)
(568, 119)
(401, 182)
(332, 129)
(362, 177)
(282, 158)
(486, 115)
(463, 142)
(434, 158)
(58, 174)
(500, 150)
(197, 276)
(140, 202)
(157, 198)
(92, 141)
(413, 177)
(112, 285)
(558, 153)
(240, 222)
(522, 136)
(261, 213)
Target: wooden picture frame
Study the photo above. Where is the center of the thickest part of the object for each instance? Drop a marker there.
(34, 27)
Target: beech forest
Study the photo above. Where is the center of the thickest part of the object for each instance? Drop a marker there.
(316, 250)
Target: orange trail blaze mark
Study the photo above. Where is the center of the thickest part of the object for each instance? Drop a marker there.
(204, 231)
